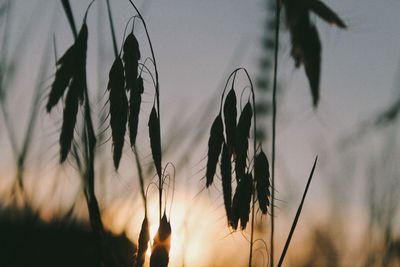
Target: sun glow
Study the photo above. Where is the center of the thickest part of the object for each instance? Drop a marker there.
(185, 246)
(176, 241)
(198, 230)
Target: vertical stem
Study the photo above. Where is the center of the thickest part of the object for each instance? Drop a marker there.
(112, 29)
(277, 21)
(157, 97)
(90, 143)
(141, 178)
(254, 181)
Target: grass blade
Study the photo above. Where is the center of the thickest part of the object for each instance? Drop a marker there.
(296, 218)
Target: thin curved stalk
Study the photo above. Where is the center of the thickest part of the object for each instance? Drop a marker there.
(277, 22)
(160, 183)
(254, 181)
(234, 73)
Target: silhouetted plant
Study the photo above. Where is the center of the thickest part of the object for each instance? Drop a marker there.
(306, 46)
(235, 147)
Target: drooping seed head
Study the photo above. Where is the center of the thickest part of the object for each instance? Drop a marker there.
(242, 135)
(230, 114)
(144, 238)
(306, 46)
(235, 211)
(155, 139)
(245, 202)
(135, 100)
(243, 127)
(226, 174)
(214, 148)
(71, 66)
(162, 244)
(80, 67)
(312, 61)
(118, 108)
(241, 202)
(164, 230)
(68, 125)
(131, 57)
(263, 186)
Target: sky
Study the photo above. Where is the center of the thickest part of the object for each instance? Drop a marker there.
(198, 43)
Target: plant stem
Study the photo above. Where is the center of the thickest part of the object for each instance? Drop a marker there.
(296, 218)
(254, 181)
(277, 22)
(114, 40)
(141, 178)
(160, 185)
(90, 143)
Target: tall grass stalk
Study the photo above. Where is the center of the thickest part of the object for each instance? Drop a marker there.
(157, 85)
(274, 111)
(253, 200)
(89, 149)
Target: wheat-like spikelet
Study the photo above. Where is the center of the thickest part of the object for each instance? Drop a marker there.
(214, 148)
(162, 244)
(155, 139)
(242, 135)
(62, 78)
(144, 238)
(135, 100)
(131, 57)
(71, 73)
(226, 175)
(72, 66)
(241, 202)
(68, 125)
(245, 202)
(261, 175)
(312, 60)
(306, 46)
(230, 114)
(118, 108)
(235, 211)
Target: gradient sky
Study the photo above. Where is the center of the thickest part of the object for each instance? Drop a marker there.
(195, 41)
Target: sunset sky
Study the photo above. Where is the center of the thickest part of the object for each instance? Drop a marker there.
(198, 43)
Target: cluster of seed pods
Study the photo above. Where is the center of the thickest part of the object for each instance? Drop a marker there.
(229, 144)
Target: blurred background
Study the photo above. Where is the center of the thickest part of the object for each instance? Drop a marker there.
(351, 215)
